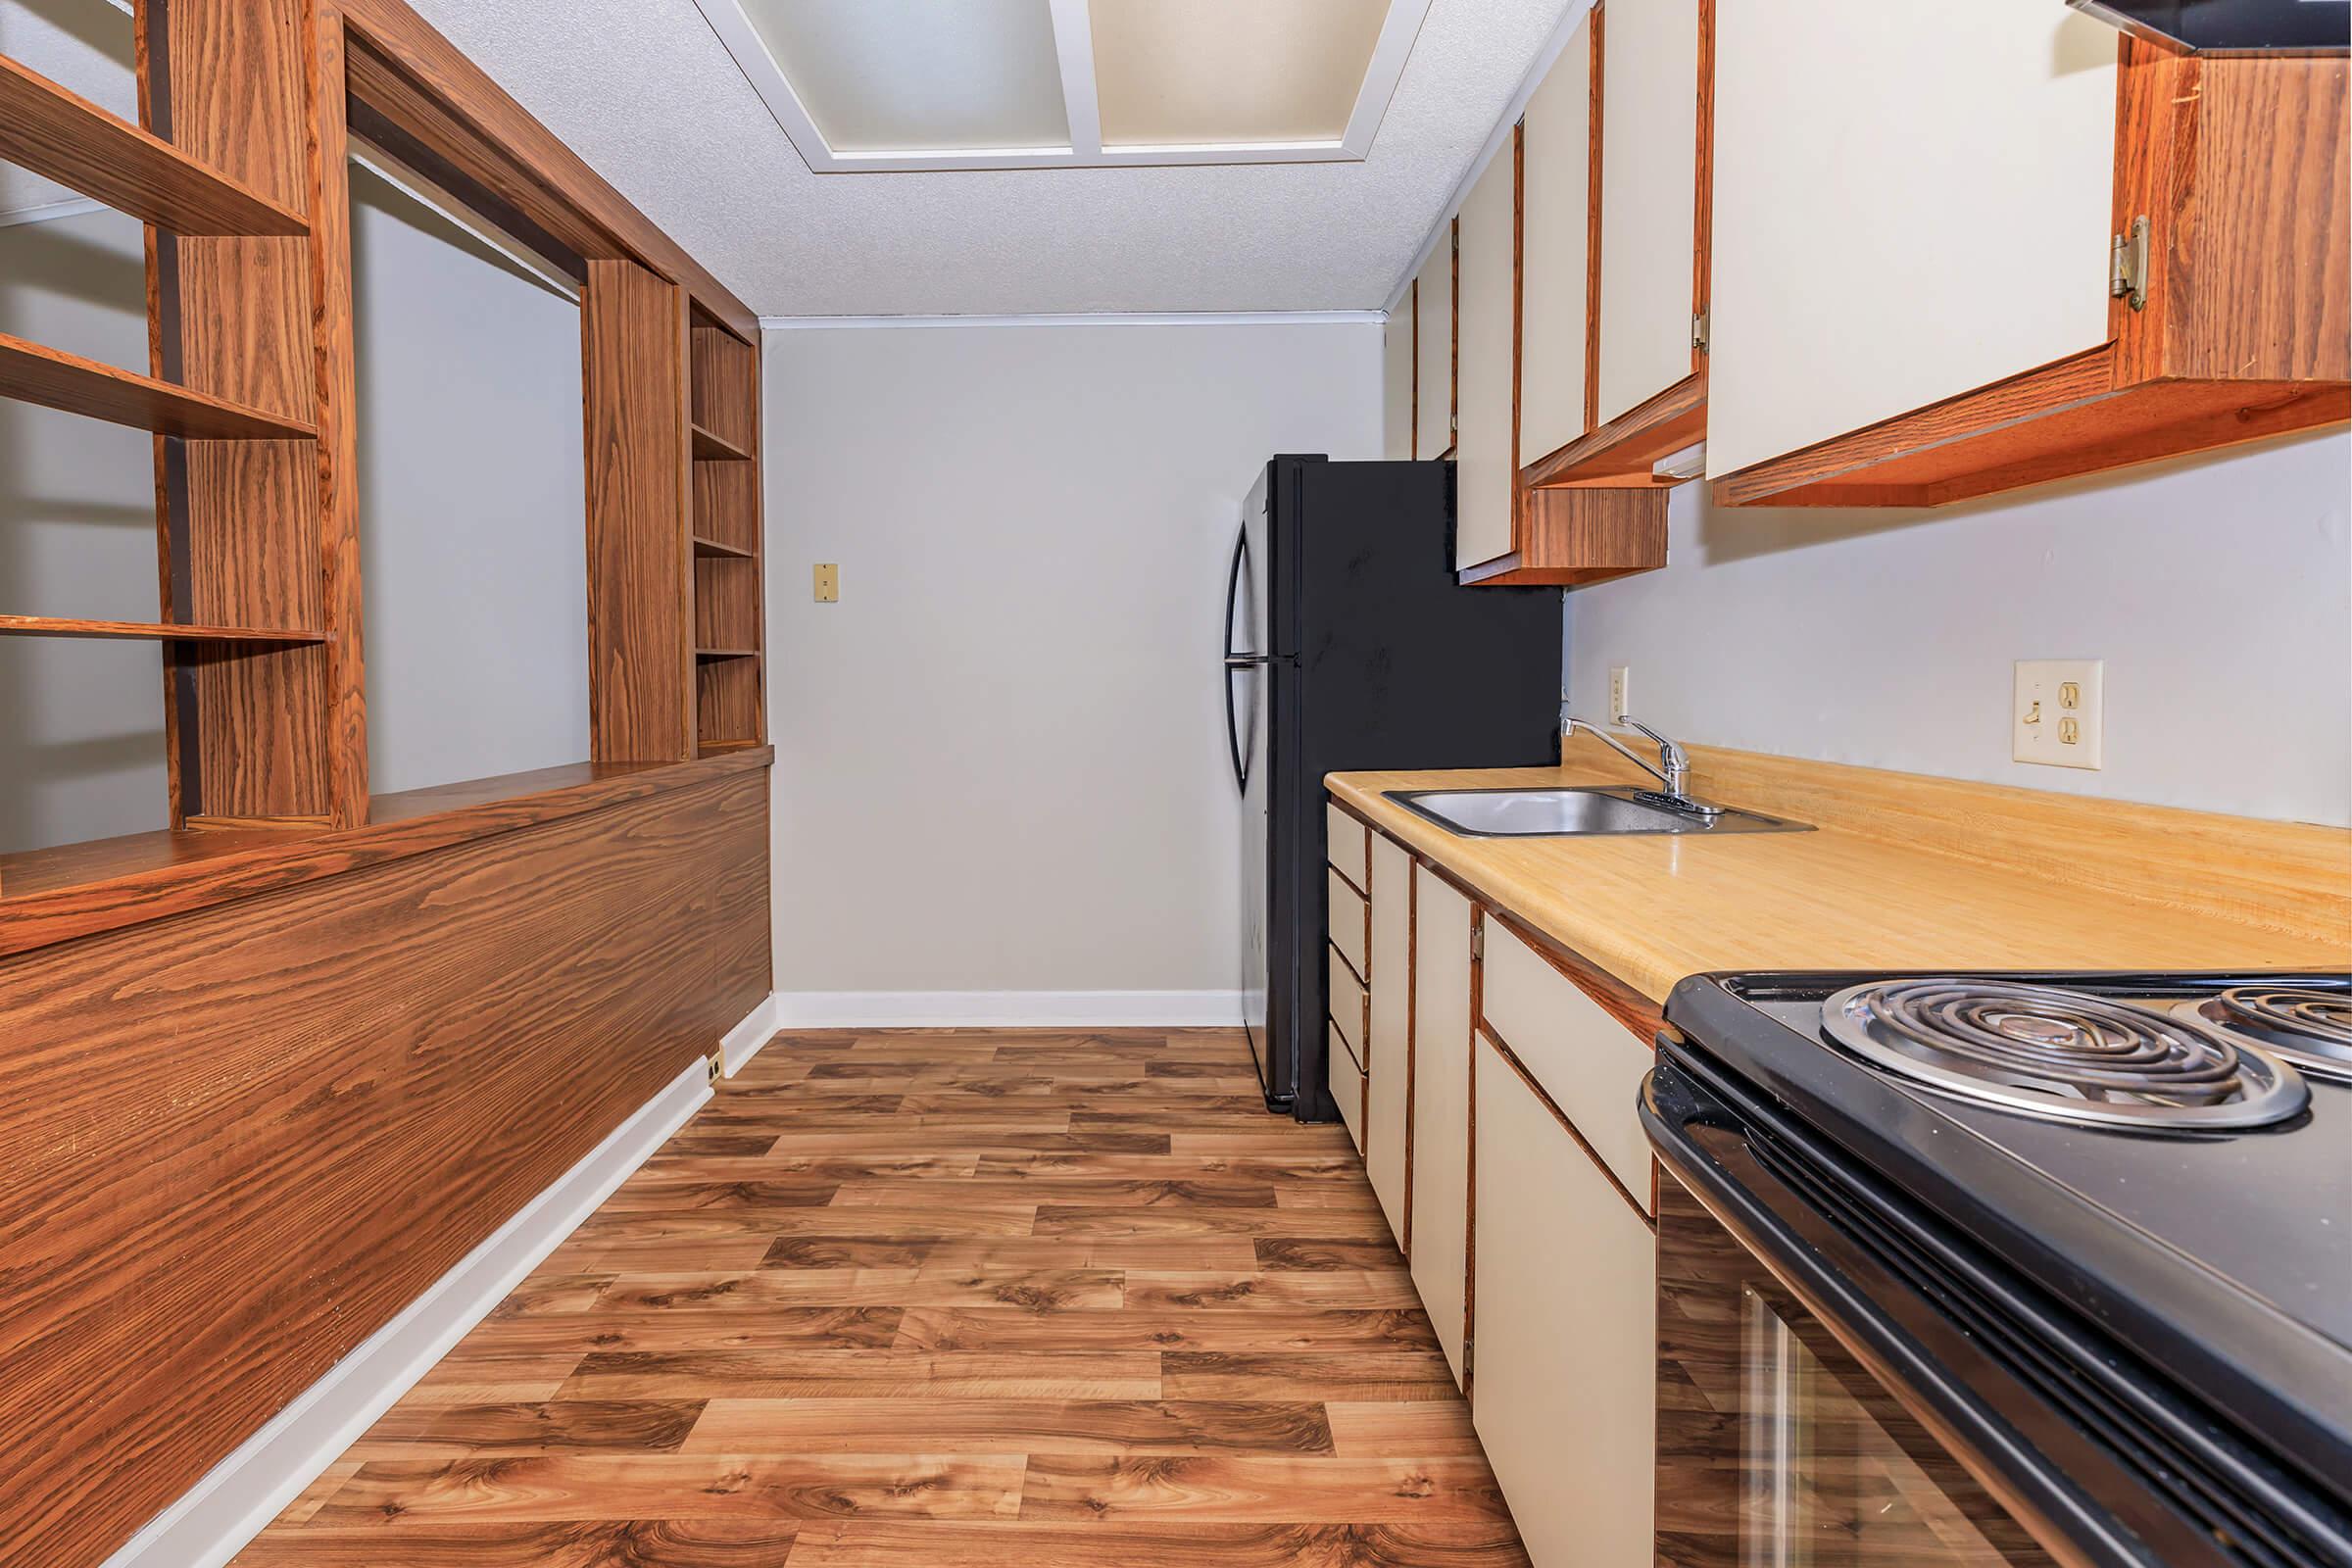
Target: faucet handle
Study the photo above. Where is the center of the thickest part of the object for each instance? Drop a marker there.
(1667, 749)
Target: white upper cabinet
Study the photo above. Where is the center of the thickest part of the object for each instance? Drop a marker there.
(1910, 201)
(1555, 234)
(1433, 330)
(1649, 183)
(1397, 380)
(1487, 468)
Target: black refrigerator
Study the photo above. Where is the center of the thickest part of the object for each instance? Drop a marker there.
(1348, 645)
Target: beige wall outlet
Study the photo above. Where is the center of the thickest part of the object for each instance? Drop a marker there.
(828, 582)
(1621, 680)
(2058, 713)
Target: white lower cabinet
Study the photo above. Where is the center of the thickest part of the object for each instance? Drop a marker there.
(1347, 1087)
(1440, 1095)
(1565, 1398)
(1385, 1050)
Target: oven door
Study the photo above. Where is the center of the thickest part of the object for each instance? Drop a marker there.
(1835, 1391)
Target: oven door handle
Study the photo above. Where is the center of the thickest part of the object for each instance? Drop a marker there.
(1704, 1137)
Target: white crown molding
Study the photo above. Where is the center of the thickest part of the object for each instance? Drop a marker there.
(50, 212)
(793, 323)
(1535, 73)
(1007, 1009)
(1074, 48)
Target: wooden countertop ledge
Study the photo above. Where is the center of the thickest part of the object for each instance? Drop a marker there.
(51, 895)
(1903, 872)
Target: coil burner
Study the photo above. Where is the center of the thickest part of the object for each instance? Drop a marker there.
(2065, 1056)
(2311, 1029)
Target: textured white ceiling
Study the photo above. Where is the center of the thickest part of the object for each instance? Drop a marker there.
(646, 92)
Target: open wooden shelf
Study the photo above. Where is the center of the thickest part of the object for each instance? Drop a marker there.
(33, 373)
(722, 748)
(149, 630)
(705, 545)
(711, 446)
(74, 142)
(1626, 449)
(726, 652)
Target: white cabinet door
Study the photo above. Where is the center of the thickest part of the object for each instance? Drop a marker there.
(1440, 1192)
(1565, 1399)
(1910, 201)
(1649, 197)
(1385, 1053)
(1433, 328)
(1397, 380)
(1555, 234)
(1484, 474)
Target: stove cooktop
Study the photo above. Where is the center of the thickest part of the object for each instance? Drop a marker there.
(2185, 1183)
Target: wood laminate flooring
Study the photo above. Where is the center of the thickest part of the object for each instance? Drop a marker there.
(905, 1300)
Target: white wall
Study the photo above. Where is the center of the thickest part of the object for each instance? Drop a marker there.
(2218, 590)
(473, 551)
(82, 722)
(1001, 757)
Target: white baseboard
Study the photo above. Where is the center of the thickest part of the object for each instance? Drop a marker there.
(744, 1041)
(211, 1522)
(1004, 1009)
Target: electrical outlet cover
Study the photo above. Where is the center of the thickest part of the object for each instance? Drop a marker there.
(1621, 679)
(2058, 713)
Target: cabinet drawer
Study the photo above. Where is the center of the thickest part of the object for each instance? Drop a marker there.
(1589, 1064)
(1347, 1088)
(1564, 1394)
(1350, 923)
(1350, 1006)
(1348, 846)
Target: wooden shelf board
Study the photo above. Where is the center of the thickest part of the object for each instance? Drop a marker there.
(149, 630)
(74, 142)
(705, 545)
(722, 748)
(53, 379)
(711, 446)
(726, 652)
(1585, 534)
(1626, 449)
(75, 890)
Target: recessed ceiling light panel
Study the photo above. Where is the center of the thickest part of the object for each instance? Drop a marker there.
(875, 86)
(1231, 73)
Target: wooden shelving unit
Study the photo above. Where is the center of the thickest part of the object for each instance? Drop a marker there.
(30, 373)
(74, 142)
(729, 668)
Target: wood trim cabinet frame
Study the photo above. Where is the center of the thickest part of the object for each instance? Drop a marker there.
(2237, 167)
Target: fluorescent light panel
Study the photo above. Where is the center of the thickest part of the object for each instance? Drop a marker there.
(877, 85)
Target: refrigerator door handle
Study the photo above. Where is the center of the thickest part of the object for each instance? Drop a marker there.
(1246, 661)
(1236, 660)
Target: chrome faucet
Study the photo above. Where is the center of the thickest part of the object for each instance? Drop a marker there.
(1672, 768)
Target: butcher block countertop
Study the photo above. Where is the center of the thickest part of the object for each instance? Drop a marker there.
(1903, 872)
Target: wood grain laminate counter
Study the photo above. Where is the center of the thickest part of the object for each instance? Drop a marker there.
(1902, 872)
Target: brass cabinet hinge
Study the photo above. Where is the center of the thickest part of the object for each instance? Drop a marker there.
(1698, 331)
(2128, 265)
(1478, 942)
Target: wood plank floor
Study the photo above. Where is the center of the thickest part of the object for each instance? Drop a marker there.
(928, 1300)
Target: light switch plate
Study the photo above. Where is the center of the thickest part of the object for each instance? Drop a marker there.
(2058, 713)
(828, 582)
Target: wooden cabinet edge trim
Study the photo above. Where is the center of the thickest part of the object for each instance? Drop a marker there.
(34, 919)
(1625, 448)
(1510, 1059)
(1641, 1018)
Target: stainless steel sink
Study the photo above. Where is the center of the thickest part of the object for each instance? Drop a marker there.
(1563, 813)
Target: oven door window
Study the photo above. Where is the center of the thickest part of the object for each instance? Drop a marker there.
(1777, 1449)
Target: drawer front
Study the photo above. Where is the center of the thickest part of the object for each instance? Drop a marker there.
(1591, 1065)
(1350, 1006)
(1347, 1089)
(1351, 921)
(1348, 846)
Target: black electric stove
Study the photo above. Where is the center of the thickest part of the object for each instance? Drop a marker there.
(2155, 1171)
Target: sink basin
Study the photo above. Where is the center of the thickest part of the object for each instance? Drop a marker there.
(1564, 814)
